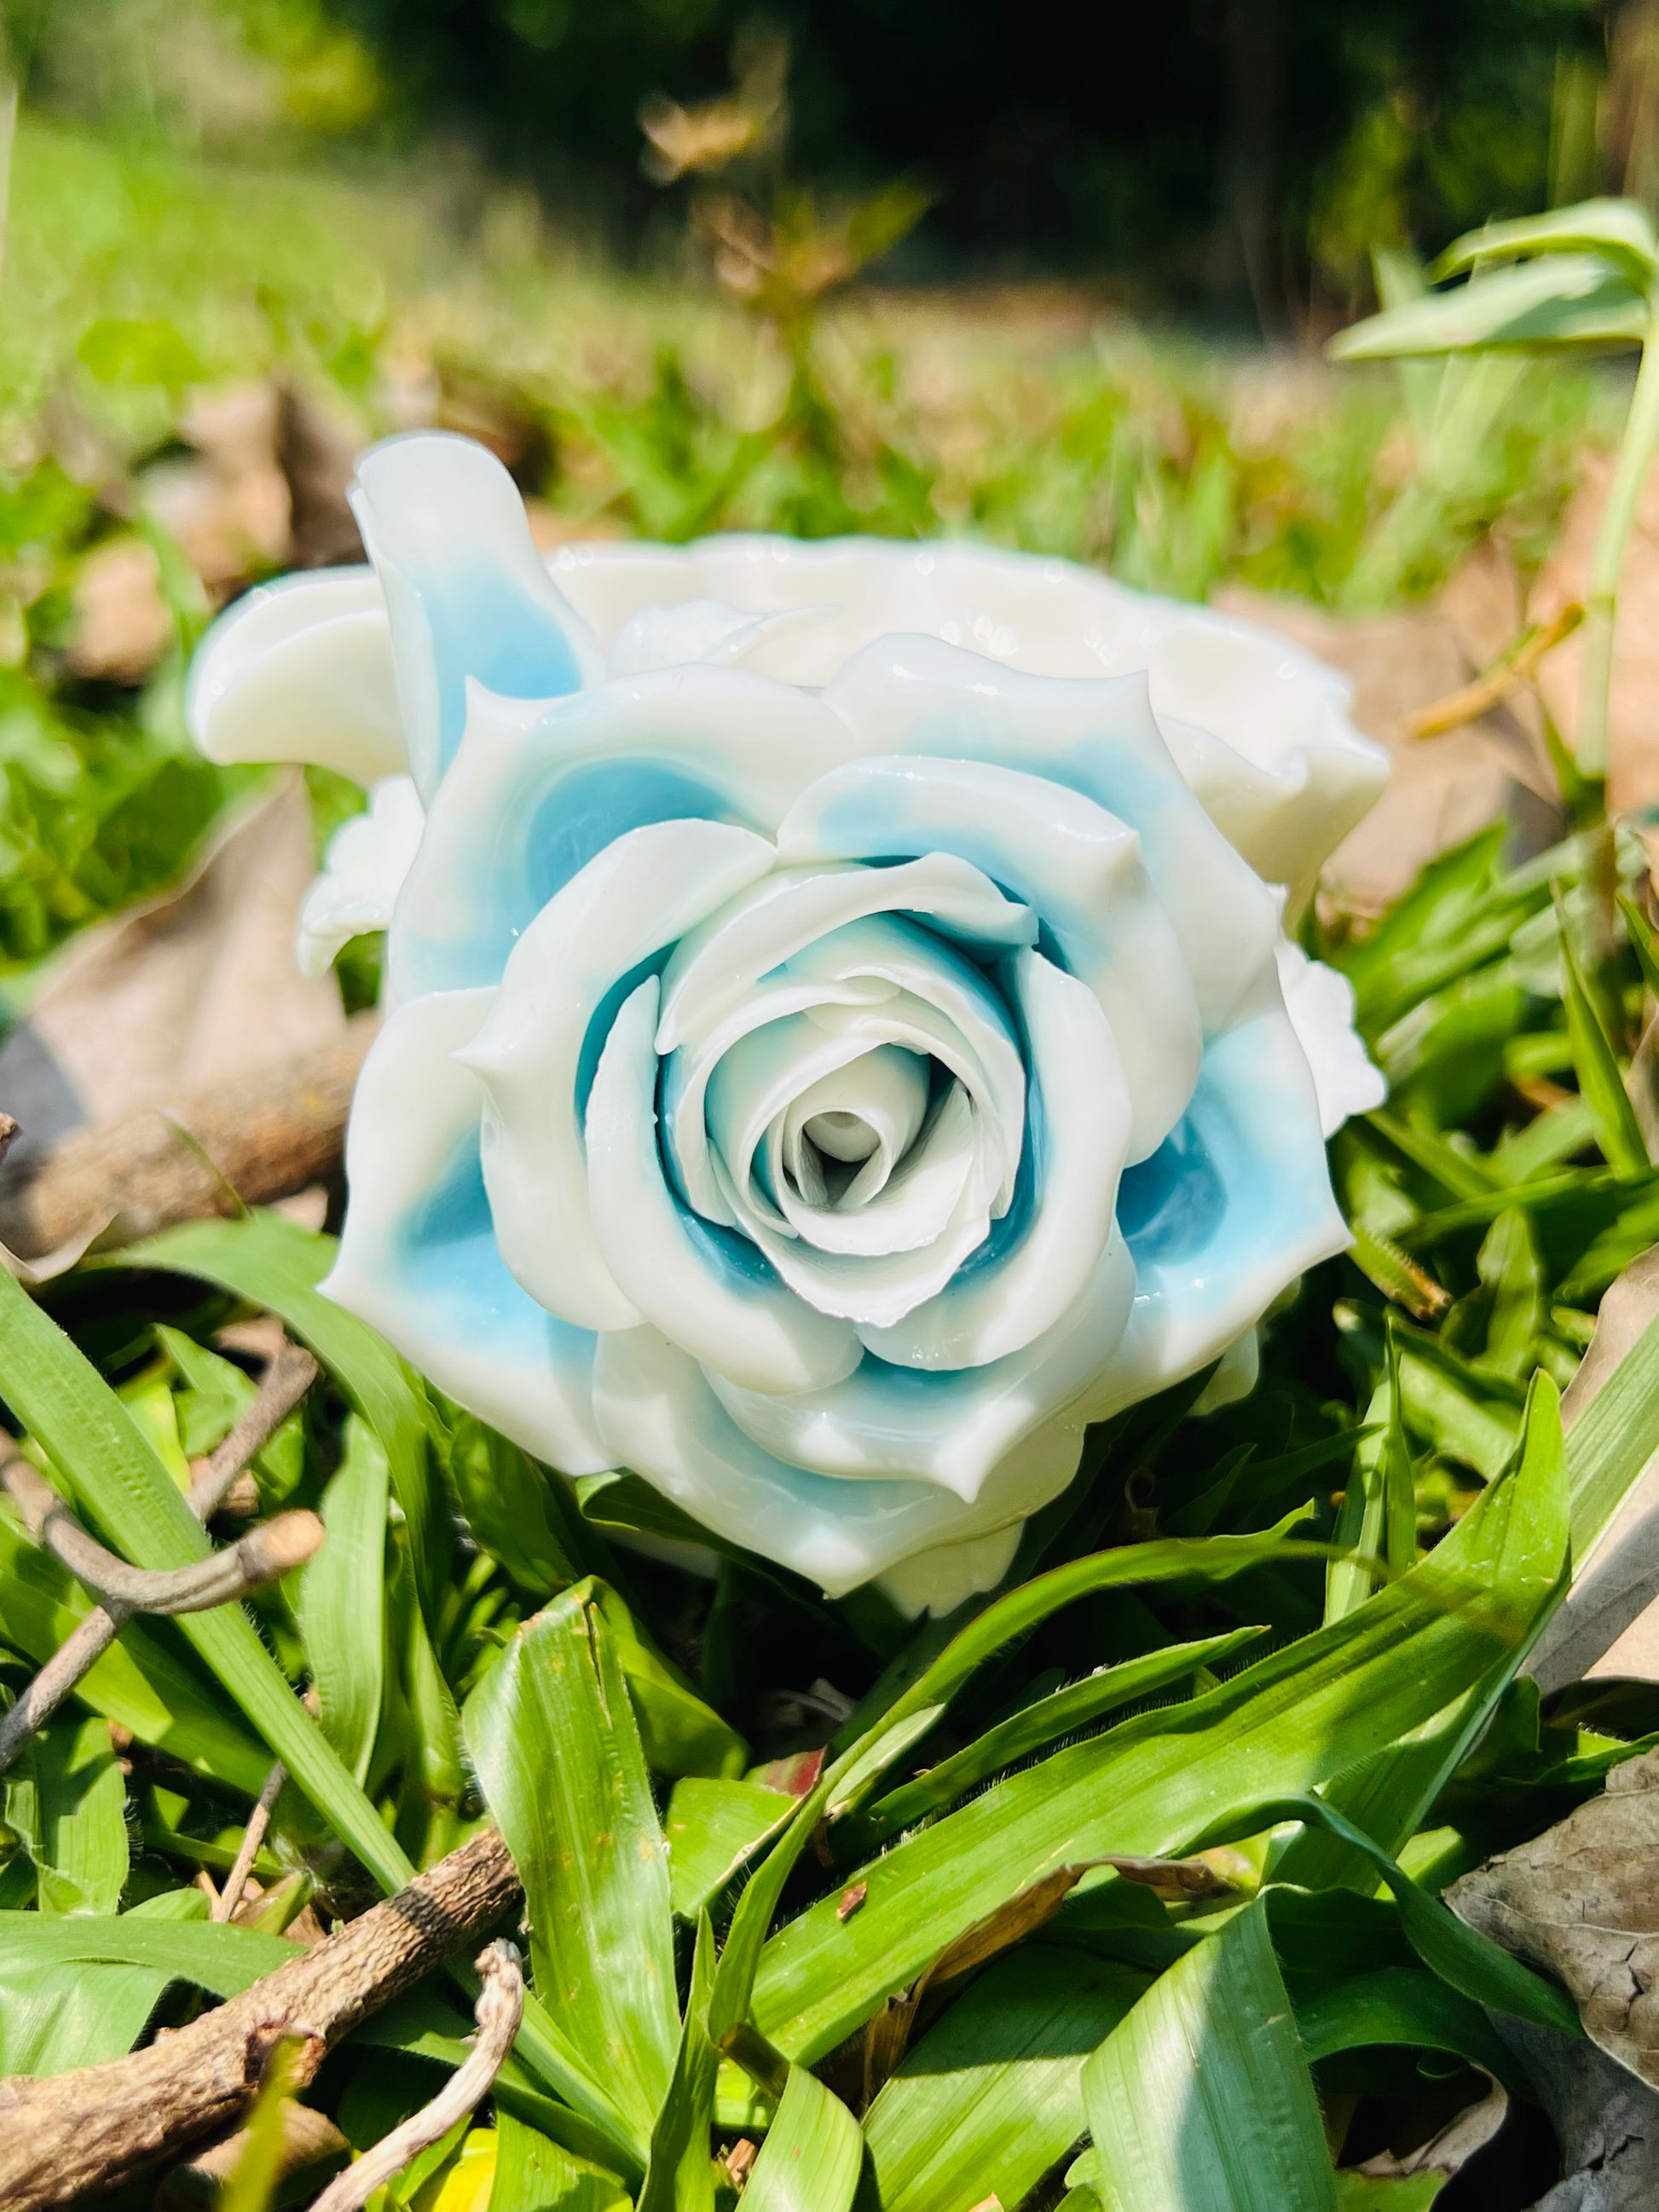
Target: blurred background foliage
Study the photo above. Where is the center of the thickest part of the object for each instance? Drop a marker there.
(617, 242)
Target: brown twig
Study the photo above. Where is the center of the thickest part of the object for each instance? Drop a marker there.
(64, 2139)
(1511, 668)
(265, 1555)
(252, 1836)
(286, 1380)
(498, 2011)
(259, 1136)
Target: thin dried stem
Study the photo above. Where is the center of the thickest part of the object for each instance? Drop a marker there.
(498, 2011)
(263, 1555)
(252, 1836)
(289, 1376)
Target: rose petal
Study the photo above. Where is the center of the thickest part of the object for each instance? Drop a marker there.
(467, 594)
(640, 894)
(538, 788)
(418, 1258)
(707, 1290)
(1320, 1002)
(1236, 1205)
(1033, 1267)
(363, 870)
(953, 1428)
(718, 965)
(659, 1416)
(864, 963)
(1261, 730)
(1077, 865)
(300, 670)
(913, 694)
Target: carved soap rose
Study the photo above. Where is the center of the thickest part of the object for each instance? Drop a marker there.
(839, 1043)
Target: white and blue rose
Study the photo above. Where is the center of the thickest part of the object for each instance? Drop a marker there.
(839, 1043)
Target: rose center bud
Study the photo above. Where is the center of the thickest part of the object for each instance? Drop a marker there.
(843, 1135)
(865, 1116)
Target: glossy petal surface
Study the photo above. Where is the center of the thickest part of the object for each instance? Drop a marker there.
(418, 1258)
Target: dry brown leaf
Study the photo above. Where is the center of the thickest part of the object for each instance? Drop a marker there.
(1448, 2150)
(1581, 1901)
(121, 624)
(1605, 2122)
(175, 996)
(1633, 721)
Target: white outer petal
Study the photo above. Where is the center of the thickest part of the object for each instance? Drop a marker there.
(459, 1316)
(951, 1429)
(1262, 730)
(700, 629)
(363, 871)
(750, 1327)
(659, 1416)
(1320, 1002)
(642, 892)
(300, 670)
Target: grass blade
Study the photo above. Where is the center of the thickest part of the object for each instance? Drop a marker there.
(1200, 2100)
(116, 1475)
(813, 2150)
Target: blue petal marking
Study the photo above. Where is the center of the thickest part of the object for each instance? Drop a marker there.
(484, 623)
(445, 1253)
(1170, 1205)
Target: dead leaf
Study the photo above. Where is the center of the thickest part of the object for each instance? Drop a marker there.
(1581, 1901)
(1633, 720)
(1449, 2150)
(1176, 1881)
(229, 510)
(175, 996)
(1605, 2122)
(121, 624)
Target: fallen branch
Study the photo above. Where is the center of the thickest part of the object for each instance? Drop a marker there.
(498, 2011)
(265, 1555)
(75, 2134)
(259, 1136)
(286, 1380)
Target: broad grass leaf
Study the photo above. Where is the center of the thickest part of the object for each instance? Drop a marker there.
(1400, 2005)
(680, 2176)
(713, 1826)
(534, 2174)
(215, 1955)
(1200, 2100)
(1306, 1712)
(1621, 231)
(926, 1696)
(1600, 1080)
(67, 1799)
(681, 1733)
(812, 2153)
(552, 1735)
(59, 2010)
(511, 1508)
(1464, 1959)
(117, 1476)
(1563, 299)
(139, 1682)
(342, 1600)
(277, 1264)
(991, 2096)
(1036, 1726)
